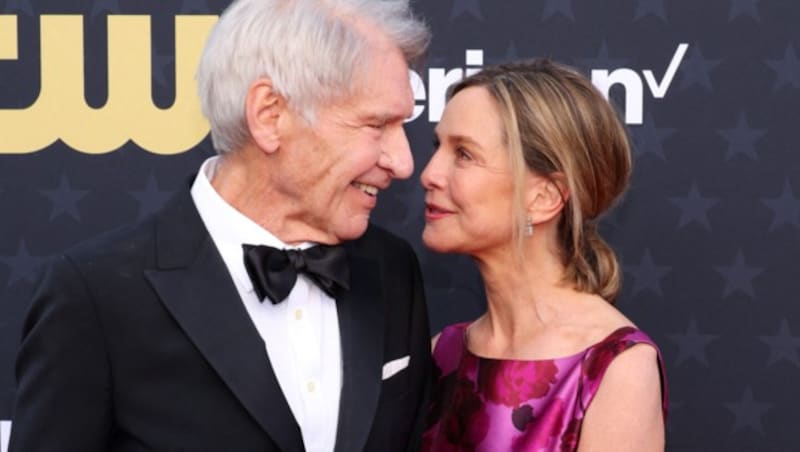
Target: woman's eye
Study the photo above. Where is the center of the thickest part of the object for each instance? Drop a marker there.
(462, 154)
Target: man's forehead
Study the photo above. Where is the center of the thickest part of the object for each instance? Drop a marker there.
(386, 105)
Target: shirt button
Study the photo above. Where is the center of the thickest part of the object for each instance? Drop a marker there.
(298, 314)
(311, 386)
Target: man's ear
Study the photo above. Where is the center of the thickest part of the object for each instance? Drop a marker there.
(263, 109)
(546, 196)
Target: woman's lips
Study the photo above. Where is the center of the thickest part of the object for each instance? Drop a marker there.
(434, 212)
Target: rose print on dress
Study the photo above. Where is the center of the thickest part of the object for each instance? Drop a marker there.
(487, 405)
(543, 431)
(569, 440)
(512, 382)
(603, 353)
(465, 422)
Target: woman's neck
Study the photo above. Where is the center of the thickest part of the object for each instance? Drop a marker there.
(524, 296)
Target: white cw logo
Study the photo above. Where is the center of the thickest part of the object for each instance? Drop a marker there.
(60, 110)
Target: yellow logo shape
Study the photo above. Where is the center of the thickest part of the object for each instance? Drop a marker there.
(60, 111)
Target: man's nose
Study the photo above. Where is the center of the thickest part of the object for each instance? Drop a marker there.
(396, 154)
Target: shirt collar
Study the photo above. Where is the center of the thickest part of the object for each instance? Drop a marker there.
(228, 227)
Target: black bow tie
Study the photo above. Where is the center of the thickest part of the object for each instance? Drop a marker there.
(274, 272)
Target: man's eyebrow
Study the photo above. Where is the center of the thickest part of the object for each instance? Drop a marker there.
(386, 117)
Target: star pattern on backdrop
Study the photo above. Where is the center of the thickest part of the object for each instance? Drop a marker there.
(437, 60)
(716, 166)
(511, 54)
(469, 7)
(160, 65)
(675, 411)
(742, 139)
(648, 138)
(647, 275)
(692, 344)
(194, 6)
(64, 199)
(562, 7)
(614, 217)
(738, 276)
(740, 7)
(785, 208)
(783, 345)
(151, 198)
(694, 207)
(602, 60)
(748, 412)
(787, 70)
(23, 265)
(100, 7)
(696, 69)
(17, 7)
(646, 8)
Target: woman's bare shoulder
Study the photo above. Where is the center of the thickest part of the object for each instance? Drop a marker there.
(594, 319)
(434, 340)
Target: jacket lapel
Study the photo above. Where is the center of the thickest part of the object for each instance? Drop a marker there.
(361, 318)
(193, 283)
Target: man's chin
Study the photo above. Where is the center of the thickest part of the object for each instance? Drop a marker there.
(353, 230)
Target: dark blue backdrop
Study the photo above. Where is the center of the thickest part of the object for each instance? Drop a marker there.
(707, 233)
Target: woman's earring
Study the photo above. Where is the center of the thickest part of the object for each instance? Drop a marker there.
(529, 227)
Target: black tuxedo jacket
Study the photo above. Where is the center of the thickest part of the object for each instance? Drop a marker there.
(139, 341)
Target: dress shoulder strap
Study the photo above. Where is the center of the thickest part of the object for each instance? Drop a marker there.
(598, 357)
(450, 347)
(451, 339)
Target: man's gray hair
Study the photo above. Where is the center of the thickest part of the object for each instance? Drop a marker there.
(311, 50)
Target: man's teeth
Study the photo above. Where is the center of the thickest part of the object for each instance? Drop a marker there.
(368, 189)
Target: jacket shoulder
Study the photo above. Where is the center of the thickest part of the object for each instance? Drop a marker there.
(138, 243)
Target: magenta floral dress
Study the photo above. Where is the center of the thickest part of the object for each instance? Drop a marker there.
(482, 404)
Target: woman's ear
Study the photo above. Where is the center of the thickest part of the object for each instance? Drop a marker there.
(263, 109)
(546, 196)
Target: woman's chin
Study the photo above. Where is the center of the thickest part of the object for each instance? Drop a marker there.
(436, 244)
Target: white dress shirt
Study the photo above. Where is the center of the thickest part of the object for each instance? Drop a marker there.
(301, 333)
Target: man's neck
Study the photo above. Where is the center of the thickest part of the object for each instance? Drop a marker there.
(243, 179)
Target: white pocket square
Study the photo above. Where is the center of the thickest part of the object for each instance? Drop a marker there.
(394, 366)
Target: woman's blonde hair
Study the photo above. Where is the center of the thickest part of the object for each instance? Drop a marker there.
(555, 121)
